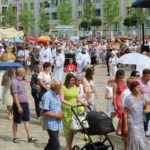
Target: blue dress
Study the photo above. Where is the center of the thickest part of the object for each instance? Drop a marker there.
(136, 135)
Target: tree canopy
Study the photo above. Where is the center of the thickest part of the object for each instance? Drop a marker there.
(10, 16)
(96, 22)
(130, 21)
(26, 19)
(141, 15)
(64, 13)
(111, 12)
(44, 20)
(88, 10)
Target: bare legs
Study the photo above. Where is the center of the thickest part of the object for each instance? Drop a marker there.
(69, 140)
(9, 112)
(27, 128)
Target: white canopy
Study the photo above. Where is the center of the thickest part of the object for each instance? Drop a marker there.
(134, 59)
(10, 33)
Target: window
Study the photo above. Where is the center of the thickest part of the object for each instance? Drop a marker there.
(129, 10)
(69, 1)
(116, 26)
(148, 24)
(32, 5)
(41, 5)
(4, 9)
(54, 15)
(96, 1)
(80, 2)
(20, 6)
(54, 2)
(46, 4)
(25, 6)
(79, 14)
(97, 12)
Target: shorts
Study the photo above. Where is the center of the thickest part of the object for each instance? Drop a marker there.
(25, 116)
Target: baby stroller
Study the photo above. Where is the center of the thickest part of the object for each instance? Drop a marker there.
(99, 124)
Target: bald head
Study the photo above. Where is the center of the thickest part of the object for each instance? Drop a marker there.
(20, 72)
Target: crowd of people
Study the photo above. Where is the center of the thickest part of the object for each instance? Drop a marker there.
(74, 63)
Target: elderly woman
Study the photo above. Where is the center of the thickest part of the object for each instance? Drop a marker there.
(134, 107)
(69, 97)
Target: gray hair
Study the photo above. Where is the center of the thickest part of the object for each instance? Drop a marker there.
(55, 83)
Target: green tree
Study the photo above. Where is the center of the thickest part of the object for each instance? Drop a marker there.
(88, 10)
(64, 13)
(141, 15)
(85, 24)
(44, 20)
(10, 16)
(111, 12)
(130, 21)
(96, 22)
(26, 19)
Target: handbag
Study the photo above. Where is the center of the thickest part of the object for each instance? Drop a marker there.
(76, 125)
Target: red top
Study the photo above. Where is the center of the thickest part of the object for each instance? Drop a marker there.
(71, 67)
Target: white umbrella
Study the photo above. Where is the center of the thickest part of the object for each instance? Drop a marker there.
(134, 59)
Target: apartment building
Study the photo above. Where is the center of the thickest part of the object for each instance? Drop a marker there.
(77, 11)
(3, 8)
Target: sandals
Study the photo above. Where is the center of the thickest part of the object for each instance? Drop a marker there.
(32, 140)
(16, 140)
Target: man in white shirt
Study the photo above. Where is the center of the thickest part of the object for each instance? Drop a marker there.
(83, 59)
(45, 54)
(58, 71)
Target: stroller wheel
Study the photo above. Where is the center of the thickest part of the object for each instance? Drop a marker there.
(76, 148)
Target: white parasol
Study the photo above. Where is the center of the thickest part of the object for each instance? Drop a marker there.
(134, 59)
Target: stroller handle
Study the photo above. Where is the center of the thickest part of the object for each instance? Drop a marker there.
(80, 105)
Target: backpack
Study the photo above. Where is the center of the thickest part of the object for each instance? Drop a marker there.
(34, 84)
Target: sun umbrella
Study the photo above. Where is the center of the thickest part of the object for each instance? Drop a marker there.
(5, 65)
(141, 3)
(123, 37)
(15, 40)
(134, 59)
(44, 38)
(30, 37)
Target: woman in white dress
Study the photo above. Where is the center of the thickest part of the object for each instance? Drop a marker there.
(109, 97)
(89, 87)
(7, 98)
(113, 64)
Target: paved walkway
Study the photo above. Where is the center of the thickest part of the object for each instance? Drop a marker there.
(6, 131)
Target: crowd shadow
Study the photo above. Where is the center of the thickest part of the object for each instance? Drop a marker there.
(6, 138)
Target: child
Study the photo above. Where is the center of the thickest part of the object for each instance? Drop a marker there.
(109, 97)
(70, 68)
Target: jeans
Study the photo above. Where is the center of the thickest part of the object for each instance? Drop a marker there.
(53, 142)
